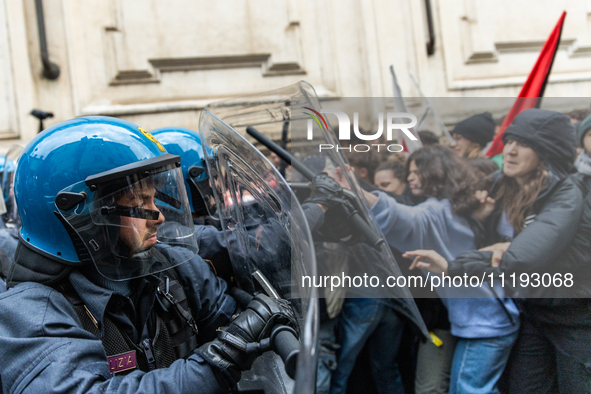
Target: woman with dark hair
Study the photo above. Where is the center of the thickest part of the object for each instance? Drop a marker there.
(434, 172)
(391, 177)
(483, 322)
(540, 210)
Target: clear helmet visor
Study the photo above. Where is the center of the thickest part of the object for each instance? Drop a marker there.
(125, 224)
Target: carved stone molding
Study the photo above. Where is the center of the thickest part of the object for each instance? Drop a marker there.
(276, 54)
(482, 57)
(494, 43)
(529, 46)
(569, 44)
(125, 77)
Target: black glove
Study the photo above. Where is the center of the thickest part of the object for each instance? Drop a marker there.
(326, 191)
(342, 221)
(237, 345)
(329, 193)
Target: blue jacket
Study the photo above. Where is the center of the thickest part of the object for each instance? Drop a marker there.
(433, 225)
(266, 244)
(212, 245)
(212, 242)
(46, 349)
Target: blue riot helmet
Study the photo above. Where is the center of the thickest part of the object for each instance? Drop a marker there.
(187, 144)
(2, 160)
(95, 190)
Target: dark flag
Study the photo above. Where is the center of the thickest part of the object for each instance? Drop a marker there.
(533, 89)
(408, 145)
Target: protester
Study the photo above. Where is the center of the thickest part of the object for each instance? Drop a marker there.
(577, 115)
(364, 165)
(428, 138)
(471, 135)
(398, 157)
(348, 324)
(542, 206)
(485, 166)
(583, 161)
(390, 177)
(498, 124)
(485, 328)
(498, 159)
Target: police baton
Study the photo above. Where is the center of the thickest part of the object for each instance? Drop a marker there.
(374, 239)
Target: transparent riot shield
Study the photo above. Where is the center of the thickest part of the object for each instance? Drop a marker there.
(287, 115)
(269, 243)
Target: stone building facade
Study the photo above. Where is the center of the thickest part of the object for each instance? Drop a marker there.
(158, 63)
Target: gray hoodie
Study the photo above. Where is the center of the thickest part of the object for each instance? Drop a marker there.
(433, 225)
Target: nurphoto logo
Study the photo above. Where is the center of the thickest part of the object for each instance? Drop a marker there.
(393, 122)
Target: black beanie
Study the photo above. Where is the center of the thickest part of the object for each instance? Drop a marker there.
(478, 128)
(550, 134)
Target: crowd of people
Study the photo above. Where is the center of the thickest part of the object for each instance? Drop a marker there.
(450, 209)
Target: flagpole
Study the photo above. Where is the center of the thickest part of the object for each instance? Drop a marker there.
(430, 106)
(400, 106)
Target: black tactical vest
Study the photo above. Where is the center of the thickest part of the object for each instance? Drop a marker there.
(175, 333)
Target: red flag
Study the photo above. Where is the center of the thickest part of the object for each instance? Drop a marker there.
(533, 89)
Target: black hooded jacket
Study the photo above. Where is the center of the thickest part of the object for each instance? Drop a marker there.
(550, 134)
(555, 240)
(542, 245)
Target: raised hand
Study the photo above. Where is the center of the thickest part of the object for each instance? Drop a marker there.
(427, 259)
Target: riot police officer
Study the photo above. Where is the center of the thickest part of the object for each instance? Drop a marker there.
(9, 221)
(186, 143)
(96, 302)
(212, 244)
